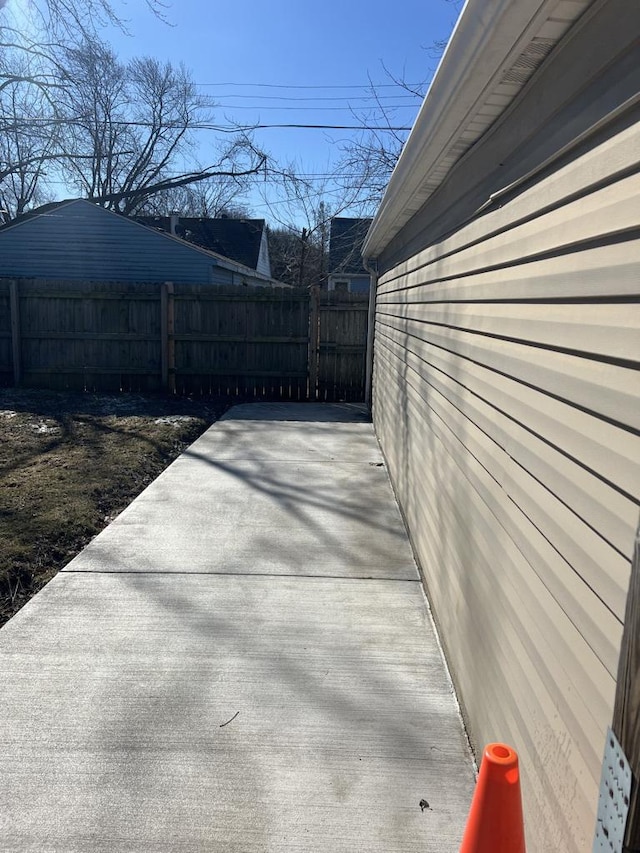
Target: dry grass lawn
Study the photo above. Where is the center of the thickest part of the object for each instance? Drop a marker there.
(69, 463)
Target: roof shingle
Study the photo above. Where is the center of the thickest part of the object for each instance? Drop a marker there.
(237, 239)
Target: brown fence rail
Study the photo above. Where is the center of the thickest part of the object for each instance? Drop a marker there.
(240, 342)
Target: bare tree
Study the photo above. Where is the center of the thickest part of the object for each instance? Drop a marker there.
(26, 149)
(29, 89)
(33, 34)
(94, 105)
(369, 159)
(129, 129)
(296, 257)
(32, 75)
(210, 198)
(229, 165)
(62, 18)
(299, 256)
(118, 133)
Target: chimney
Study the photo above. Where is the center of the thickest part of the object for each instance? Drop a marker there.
(174, 218)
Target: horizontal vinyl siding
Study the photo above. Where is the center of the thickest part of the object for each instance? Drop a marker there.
(219, 275)
(506, 400)
(80, 241)
(592, 74)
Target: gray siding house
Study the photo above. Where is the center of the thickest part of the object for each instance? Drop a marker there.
(346, 269)
(78, 240)
(506, 381)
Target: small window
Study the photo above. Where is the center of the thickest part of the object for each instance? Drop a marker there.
(342, 286)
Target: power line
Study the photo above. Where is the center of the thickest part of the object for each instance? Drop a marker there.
(366, 86)
(279, 177)
(232, 129)
(229, 128)
(315, 109)
(314, 98)
(316, 176)
(260, 180)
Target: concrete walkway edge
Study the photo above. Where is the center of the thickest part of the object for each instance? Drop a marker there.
(243, 660)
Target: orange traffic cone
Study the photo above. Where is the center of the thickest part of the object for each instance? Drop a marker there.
(495, 823)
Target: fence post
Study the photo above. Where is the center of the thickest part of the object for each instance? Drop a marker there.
(167, 335)
(14, 302)
(314, 339)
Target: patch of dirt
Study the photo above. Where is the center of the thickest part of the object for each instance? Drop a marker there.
(69, 464)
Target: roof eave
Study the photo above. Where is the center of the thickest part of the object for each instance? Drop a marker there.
(488, 36)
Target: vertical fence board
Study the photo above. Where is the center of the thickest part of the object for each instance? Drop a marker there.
(238, 342)
(243, 342)
(164, 333)
(314, 341)
(6, 365)
(171, 338)
(16, 353)
(342, 346)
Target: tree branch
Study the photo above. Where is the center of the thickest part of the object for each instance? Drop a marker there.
(179, 181)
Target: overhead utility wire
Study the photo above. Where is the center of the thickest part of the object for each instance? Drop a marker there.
(315, 109)
(229, 128)
(315, 176)
(259, 181)
(232, 129)
(314, 98)
(325, 86)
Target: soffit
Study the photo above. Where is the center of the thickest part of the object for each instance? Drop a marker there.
(494, 50)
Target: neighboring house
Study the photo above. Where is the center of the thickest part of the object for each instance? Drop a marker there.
(78, 240)
(241, 240)
(506, 388)
(346, 269)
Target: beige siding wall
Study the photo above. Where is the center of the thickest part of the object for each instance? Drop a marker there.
(506, 400)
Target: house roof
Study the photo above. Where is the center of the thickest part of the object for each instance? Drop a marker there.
(495, 48)
(220, 259)
(346, 237)
(238, 239)
(37, 211)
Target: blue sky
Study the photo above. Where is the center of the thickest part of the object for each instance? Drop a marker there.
(286, 47)
(284, 62)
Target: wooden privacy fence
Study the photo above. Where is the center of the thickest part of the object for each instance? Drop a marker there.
(338, 330)
(241, 342)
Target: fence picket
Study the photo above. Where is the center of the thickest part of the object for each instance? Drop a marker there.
(343, 345)
(242, 342)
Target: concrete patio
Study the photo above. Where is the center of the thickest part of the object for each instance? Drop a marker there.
(242, 661)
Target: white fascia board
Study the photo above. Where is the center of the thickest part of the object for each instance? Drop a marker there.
(488, 36)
